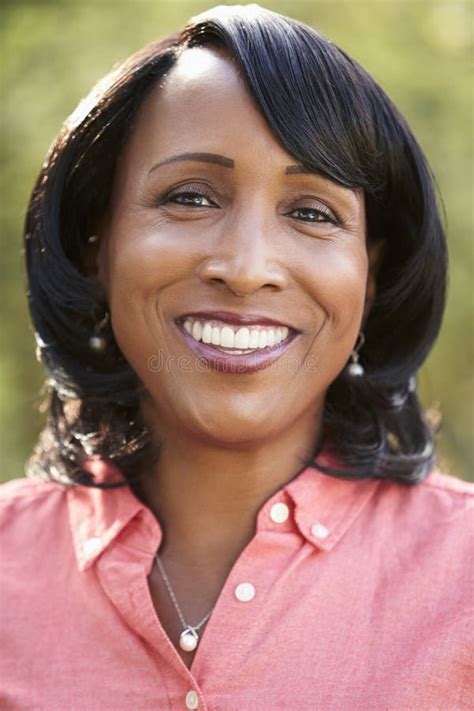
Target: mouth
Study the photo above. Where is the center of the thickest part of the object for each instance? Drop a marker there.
(235, 343)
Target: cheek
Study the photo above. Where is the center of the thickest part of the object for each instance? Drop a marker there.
(336, 279)
(142, 267)
(144, 263)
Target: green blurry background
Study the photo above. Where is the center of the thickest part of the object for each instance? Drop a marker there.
(420, 51)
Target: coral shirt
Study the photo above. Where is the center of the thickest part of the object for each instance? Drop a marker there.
(357, 596)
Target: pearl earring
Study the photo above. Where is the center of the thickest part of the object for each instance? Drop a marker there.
(98, 342)
(355, 369)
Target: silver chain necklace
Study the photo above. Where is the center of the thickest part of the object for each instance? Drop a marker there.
(189, 638)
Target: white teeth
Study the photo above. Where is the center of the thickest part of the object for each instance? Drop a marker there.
(238, 340)
(197, 331)
(242, 338)
(206, 333)
(253, 340)
(262, 339)
(227, 337)
(216, 336)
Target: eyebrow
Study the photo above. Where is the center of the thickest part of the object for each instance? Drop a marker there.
(199, 157)
(219, 160)
(293, 169)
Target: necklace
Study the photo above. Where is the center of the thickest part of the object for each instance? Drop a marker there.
(189, 638)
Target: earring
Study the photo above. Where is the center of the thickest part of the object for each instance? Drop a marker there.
(92, 239)
(355, 369)
(98, 342)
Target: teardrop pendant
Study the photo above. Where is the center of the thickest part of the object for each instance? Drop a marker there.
(188, 640)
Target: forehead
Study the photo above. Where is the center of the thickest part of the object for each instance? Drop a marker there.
(202, 102)
(200, 69)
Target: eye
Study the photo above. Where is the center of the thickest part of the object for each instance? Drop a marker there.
(189, 198)
(314, 215)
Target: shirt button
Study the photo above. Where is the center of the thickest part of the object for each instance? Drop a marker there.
(192, 700)
(245, 592)
(279, 513)
(91, 546)
(319, 530)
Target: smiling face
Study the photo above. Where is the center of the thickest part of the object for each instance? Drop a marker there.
(236, 280)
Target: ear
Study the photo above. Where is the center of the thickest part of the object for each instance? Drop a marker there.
(375, 253)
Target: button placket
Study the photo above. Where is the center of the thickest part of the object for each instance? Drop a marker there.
(245, 592)
(192, 699)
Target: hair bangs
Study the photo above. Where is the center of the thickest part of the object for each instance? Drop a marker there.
(312, 95)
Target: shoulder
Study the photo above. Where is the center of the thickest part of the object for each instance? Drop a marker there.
(444, 495)
(35, 535)
(24, 488)
(449, 486)
(441, 494)
(33, 499)
(436, 514)
(27, 491)
(448, 501)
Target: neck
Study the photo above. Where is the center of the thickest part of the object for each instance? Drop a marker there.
(206, 497)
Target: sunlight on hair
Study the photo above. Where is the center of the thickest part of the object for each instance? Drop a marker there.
(224, 12)
(92, 99)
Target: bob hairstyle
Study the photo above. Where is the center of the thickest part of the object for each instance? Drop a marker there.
(333, 118)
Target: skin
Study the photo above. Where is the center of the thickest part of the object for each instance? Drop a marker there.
(254, 242)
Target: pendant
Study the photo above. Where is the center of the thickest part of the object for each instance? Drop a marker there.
(188, 640)
(355, 369)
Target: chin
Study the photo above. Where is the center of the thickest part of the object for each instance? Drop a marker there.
(232, 429)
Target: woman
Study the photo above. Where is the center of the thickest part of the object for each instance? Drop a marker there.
(236, 267)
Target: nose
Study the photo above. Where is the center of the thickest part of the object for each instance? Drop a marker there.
(245, 258)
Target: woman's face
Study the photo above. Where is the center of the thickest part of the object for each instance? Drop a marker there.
(229, 244)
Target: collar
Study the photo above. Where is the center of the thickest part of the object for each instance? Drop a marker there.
(98, 516)
(320, 507)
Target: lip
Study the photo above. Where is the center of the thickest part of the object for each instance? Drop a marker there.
(236, 364)
(234, 318)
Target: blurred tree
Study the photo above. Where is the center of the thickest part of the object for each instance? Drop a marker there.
(420, 51)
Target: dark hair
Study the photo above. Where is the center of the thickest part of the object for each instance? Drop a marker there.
(334, 119)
